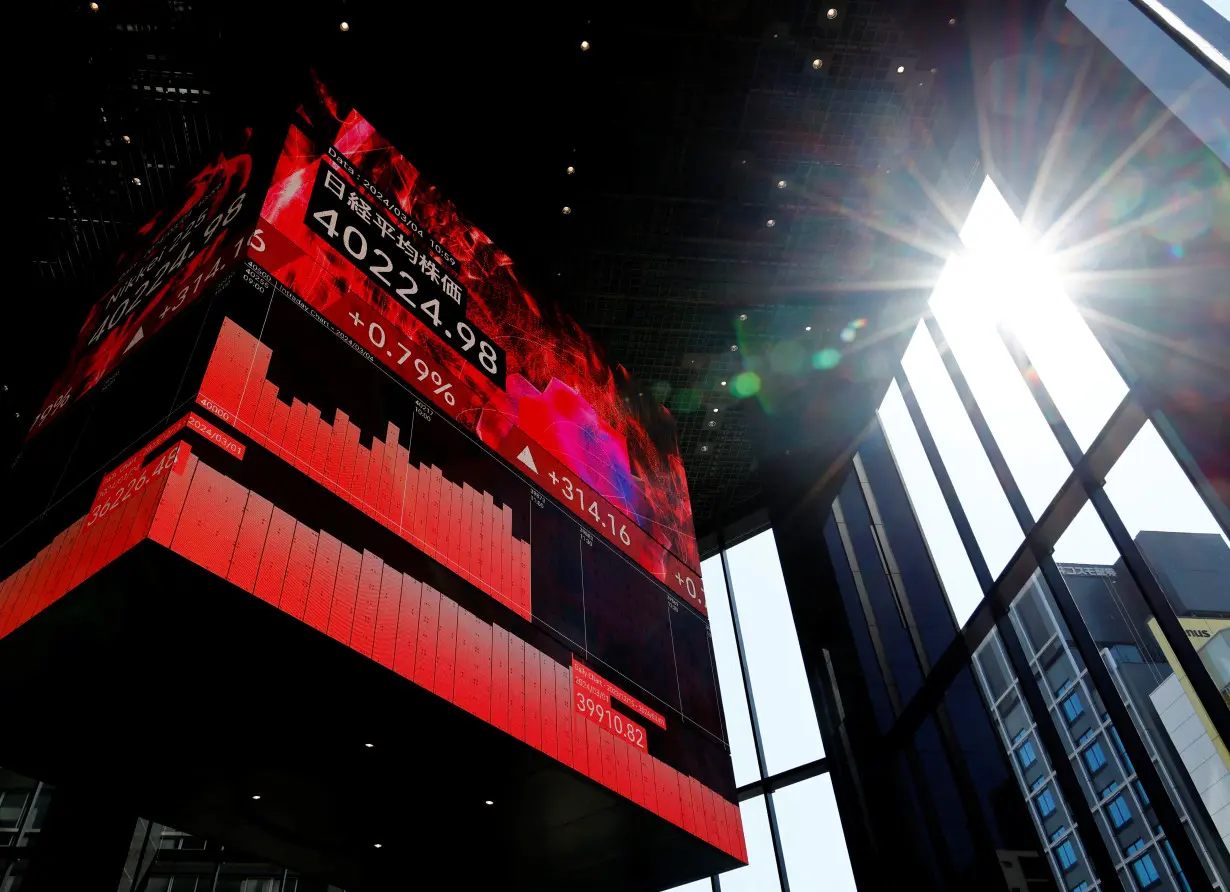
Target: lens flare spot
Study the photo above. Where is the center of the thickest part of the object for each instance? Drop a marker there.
(828, 358)
(848, 335)
(745, 384)
(859, 323)
(1123, 198)
(1176, 251)
(788, 358)
(1184, 217)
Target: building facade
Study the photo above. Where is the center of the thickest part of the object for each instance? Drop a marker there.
(990, 647)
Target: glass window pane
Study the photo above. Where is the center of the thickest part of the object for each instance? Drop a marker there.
(1052, 813)
(730, 677)
(1030, 299)
(951, 562)
(981, 496)
(873, 677)
(813, 841)
(1030, 449)
(919, 580)
(1151, 492)
(784, 707)
(12, 803)
(882, 593)
(1167, 716)
(760, 872)
(705, 885)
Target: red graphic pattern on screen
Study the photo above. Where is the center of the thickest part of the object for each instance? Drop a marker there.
(237, 349)
(88, 545)
(460, 527)
(178, 256)
(608, 445)
(131, 476)
(388, 616)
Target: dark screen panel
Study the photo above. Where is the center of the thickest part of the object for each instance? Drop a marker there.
(627, 623)
(698, 690)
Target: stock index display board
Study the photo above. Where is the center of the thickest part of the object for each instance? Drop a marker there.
(401, 448)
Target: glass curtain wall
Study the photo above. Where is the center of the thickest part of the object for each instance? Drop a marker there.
(794, 833)
(1083, 569)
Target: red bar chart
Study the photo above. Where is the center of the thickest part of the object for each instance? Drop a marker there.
(388, 616)
(459, 526)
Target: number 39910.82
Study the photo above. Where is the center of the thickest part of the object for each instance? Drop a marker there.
(609, 718)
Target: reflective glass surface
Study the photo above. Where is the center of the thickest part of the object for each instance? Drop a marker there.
(779, 683)
(730, 678)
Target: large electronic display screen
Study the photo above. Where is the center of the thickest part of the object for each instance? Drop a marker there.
(352, 226)
(178, 255)
(380, 433)
(320, 482)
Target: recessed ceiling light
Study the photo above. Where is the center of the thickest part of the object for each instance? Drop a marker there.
(379, 845)
(770, 222)
(715, 409)
(369, 745)
(584, 45)
(93, 7)
(832, 14)
(952, 21)
(256, 795)
(743, 317)
(806, 328)
(488, 802)
(781, 184)
(901, 69)
(723, 383)
(567, 210)
(734, 348)
(817, 64)
(344, 26)
(126, 139)
(136, 181)
(571, 169)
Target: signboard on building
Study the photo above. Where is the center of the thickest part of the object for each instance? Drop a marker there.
(320, 384)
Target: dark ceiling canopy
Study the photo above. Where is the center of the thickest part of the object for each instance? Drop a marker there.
(742, 179)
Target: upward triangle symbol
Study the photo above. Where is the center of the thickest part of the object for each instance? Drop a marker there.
(136, 339)
(527, 458)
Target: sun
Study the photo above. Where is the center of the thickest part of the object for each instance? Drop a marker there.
(1003, 282)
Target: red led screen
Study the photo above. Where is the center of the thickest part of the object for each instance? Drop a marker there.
(380, 444)
(382, 434)
(388, 616)
(460, 527)
(180, 254)
(353, 229)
